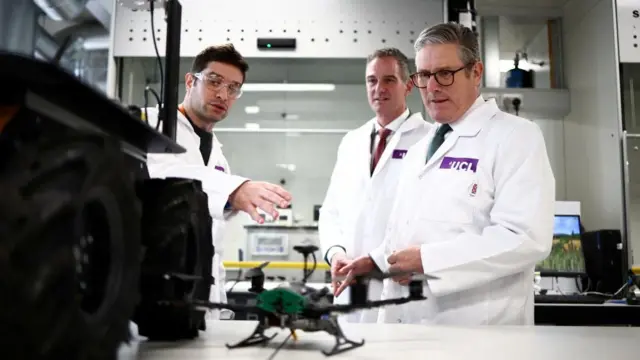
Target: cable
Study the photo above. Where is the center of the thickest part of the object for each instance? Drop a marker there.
(627, 283)
(155, 47)
(516, 105)
(155, 93)
(307, 275)
(238, 278)
(148, 90)
(62, 49)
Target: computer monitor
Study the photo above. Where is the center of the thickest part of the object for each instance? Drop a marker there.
(566, 257)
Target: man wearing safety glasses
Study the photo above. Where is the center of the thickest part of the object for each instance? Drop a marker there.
(212, 87)
(475, 200)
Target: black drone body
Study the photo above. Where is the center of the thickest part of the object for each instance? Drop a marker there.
(296, 306)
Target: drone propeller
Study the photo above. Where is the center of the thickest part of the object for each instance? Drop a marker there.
(377, 275)
(257, 278)
(257, 271)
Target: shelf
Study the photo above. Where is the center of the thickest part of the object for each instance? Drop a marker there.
(535, 103)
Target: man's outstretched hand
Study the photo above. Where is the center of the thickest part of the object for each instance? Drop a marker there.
(252, 195)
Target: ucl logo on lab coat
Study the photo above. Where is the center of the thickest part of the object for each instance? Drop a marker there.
(459, 164)
(398, 153)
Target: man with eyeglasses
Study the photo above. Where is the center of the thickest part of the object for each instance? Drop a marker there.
(475, 201)
(212, 87)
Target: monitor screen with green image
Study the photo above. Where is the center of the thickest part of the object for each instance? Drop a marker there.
(566, 251)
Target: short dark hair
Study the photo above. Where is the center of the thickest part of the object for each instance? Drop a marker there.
(401, 58)
(451, 33)
(225, 53)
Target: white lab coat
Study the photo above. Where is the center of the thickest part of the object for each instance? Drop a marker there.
(357, 204)
(481, 232)
(216, 182)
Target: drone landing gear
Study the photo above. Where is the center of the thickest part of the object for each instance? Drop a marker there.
(342, 343)
(258, 337)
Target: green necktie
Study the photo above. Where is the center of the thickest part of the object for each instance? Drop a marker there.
(438, 139)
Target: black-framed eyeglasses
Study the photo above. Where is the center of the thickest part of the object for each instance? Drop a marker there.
(443, 77)
(215, 82)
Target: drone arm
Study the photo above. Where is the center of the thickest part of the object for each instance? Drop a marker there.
(347, 308)
(221, 306)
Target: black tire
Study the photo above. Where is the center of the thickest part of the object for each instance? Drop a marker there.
(69, 249)
(177, 239)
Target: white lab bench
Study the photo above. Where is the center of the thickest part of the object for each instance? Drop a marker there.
(389, 341)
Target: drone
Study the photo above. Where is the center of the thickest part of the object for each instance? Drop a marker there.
(296, 306)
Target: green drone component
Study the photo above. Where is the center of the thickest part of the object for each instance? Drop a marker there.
(281, 300)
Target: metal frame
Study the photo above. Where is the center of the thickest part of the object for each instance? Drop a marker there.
(626, 199)
(489, 31)
(169, 116)
(18, 23)
(554, 29)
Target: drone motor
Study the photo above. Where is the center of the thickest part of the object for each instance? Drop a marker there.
(415, 289)
(359, 292)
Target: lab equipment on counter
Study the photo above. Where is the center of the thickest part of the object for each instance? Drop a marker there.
(517, 77)
(276, 243)
(269, 244)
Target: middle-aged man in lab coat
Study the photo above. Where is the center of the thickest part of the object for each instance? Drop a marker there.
(360, 194)
(212, 87)
(475, 202)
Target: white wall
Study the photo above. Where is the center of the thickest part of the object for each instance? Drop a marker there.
(591, 131)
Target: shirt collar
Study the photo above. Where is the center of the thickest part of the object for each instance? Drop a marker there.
(395, 124)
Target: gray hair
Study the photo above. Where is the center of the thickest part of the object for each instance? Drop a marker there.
(451, 33)
(403, 61)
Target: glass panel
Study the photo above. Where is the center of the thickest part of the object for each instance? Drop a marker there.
(630, 88)
(505, 40)
(630, 83)
(633, 196)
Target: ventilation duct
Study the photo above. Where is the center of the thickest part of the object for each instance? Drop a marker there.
(46, 46)
(17, 26)
(62, 9)
(92, 36)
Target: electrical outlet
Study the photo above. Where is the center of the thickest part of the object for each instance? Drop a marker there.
(511, 97)
(512, 102)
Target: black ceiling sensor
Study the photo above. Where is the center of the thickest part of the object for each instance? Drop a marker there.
(277, 44)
